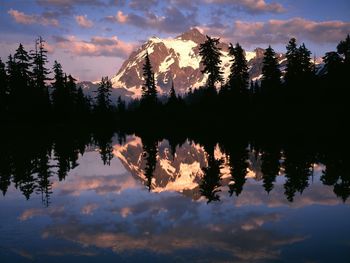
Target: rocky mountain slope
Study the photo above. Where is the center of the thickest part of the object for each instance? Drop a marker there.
(177, 59)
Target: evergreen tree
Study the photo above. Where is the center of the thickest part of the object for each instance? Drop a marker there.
(20, 82)
(3, 88)
(238, 80)
(103, 98)
(40, 72)
(172, 95)
(343, 48)
(271, 79)
(292, 55)
(305, 62)
(332, 61)
(60, 95)
(72, 101)
(210, 53)
(149, 90)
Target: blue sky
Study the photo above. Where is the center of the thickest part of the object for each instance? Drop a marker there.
(91, 38)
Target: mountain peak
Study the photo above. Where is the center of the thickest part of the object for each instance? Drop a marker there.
(193, 34)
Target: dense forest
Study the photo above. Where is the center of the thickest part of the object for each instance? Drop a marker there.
(297, 97)
(297, 113)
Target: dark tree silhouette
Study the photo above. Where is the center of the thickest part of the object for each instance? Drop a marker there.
(149, 90)
(343, 48)
(103, 107)
(271, 77)
(210, 53)
(41, 97)
(60, 94)
(238, 79)
(238, 161)
(150, 150)
(3, 89)
(209, 186)
(292, 55)
(270, 166)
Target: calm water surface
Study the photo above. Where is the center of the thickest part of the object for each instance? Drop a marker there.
(148, 201)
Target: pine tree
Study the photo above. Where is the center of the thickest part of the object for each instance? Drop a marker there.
(292, 55)
(271, 79)
(210, 53)
(305, 62)
(20, 82)
(172, 95)
(149, 90)
(343, 48)
(40, 72)
(3, 88)
(238, 80)
(60, 93)
(333, 63)
(103, 98)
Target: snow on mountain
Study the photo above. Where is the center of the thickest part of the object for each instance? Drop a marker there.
(176, 59)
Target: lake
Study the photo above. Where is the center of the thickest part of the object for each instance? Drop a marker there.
(105, 197)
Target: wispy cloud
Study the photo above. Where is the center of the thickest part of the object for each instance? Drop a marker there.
(173, 20)
(22, 18)
(280, 31)
(251, 6)
(83, 21)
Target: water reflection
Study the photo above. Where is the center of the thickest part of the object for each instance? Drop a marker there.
(116, 197)
(202, 166)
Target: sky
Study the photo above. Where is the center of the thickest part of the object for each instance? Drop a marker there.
(92, 38)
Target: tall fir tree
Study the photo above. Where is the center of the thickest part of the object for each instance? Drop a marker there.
(149, 90)
(210, 53)
(60, 94)
(305, 65)
(271, 75)
(343, 48)
(292, 55)
(103, 98)
(238, 79)
(3, 88)
(20, 83)
(40, 76)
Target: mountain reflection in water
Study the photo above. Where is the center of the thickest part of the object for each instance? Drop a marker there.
(97, 195)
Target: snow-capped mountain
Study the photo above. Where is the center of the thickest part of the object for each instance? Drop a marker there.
(177, 59)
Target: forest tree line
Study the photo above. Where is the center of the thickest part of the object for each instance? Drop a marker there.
(28, 93)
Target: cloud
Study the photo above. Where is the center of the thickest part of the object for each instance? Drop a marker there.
(22, 18)
(83, 21)
(97, 46)
(251, 6)
(88, 209)
(70, 3)
(142, 4)
(279, 31)
(121, 18)
(34, 212)
(173, 20)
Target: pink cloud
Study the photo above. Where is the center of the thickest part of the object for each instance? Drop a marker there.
(252, 6)
(89, 209)
(280, 31)
(83, 21)
(25, 19)
(97, 46)
(121, 17)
